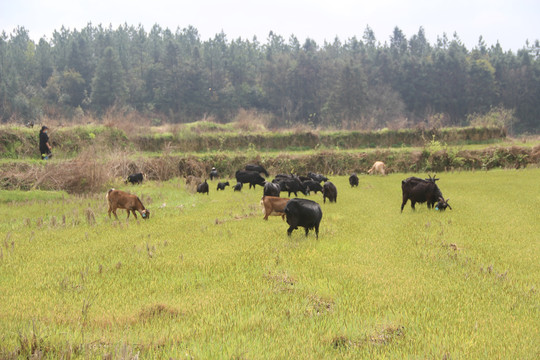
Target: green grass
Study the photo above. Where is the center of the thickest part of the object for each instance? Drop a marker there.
(206, 277)
(16, 196)
(311, 151)
(21, 143)
(294, 150)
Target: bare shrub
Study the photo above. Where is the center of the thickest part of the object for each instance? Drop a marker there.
(192, 182)
(121, 164)
(130, 122)
(16, 176)
(85, 173)
(57, 120)
(535, 153)
(162, 168)
(438, 121)
(191, 166)
(302, 128)
(251, 121)
(90, 171)
(398, 123)
(498, 117)
(82, 174)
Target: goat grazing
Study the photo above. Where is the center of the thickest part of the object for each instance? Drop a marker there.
(422, 190)
(203, 188)
(118, 199)
(378, 168)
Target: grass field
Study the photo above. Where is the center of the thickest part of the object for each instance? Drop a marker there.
(206, 277)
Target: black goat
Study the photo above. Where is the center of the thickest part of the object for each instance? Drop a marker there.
(317, 177)
(312, 185)
(422, 190)
(304, 213)
(203, 188)
(330, 192)
(257, 168)
(353, 180)
(222, 185)
(271, 189)
(251, 177)
(135, 178)
(293, 185)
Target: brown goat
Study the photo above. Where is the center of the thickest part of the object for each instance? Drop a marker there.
(122, 200)
(273, 205)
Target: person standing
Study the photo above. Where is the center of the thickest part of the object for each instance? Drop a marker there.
(44, 146)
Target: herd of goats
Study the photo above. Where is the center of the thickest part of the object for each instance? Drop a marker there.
(297, 211)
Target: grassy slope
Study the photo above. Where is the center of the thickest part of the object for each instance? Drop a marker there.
(207, 277)
(26, 196)
(21, 143)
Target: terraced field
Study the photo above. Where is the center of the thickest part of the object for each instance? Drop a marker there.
(206, 277)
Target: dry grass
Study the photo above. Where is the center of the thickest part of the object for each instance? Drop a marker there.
(85, 173)
(192, 166)
(281, 281)
(132, 123)
(302, 128)
(535, 155)
(96, 170)
(90, 171)
(385, 336)
(120, 163)
(251, 121)
(192, 182)
(162, 168)
(158, 310)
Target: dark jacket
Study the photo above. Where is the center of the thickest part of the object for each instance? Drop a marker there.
(43, 140)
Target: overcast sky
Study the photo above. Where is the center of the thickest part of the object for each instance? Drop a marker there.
(511, 22)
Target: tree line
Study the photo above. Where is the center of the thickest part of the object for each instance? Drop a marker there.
(360, 82)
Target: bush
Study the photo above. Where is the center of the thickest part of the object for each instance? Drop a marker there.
(496, 117)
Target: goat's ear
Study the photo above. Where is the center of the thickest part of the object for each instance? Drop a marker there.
(447, 200)
(441, 199)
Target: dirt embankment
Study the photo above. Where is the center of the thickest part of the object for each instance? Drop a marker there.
(16, 142)
(88, 173)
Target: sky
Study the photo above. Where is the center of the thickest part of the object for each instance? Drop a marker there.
(511, 22)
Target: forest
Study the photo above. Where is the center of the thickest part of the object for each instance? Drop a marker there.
(359, 83)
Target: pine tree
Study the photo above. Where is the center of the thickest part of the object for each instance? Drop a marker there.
(108, 85)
